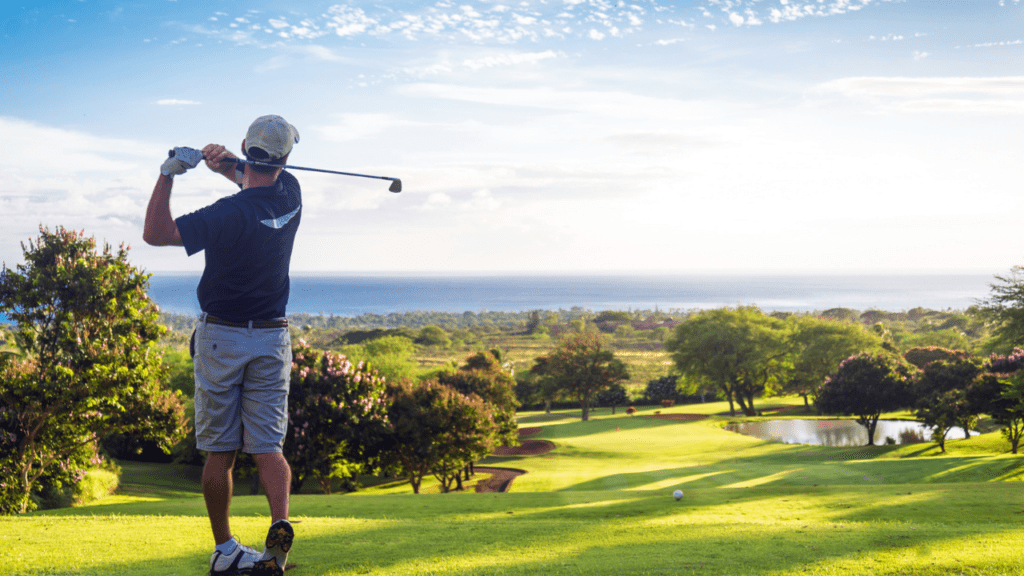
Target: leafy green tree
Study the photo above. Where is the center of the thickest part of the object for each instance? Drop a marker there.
(818, 346)
(1005, 309)
(664, 388)
(433, 336)
(90, 367)
(434, 429)
(337, 418)
(581, 367)
(942, 399)
(740, 351)
(612, 396)
(865, 385)
(485, 376)
(534, 387)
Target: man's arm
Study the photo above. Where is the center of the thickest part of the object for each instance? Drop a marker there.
(160, 229)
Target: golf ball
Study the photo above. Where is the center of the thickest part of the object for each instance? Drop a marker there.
(678, 494)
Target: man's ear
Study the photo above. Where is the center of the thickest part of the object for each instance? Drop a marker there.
(243, 148)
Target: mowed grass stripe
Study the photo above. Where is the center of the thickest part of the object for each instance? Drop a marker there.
(599, 504)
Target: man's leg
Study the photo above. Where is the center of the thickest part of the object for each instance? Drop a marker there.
(276, 478)
(217, 489)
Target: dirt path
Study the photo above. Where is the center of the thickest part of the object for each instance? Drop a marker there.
(501, 478)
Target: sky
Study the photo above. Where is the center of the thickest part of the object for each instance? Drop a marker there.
(558, 136)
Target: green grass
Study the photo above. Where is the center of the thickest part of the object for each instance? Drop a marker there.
(599, 504)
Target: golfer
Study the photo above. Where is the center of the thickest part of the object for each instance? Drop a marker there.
(241, 344)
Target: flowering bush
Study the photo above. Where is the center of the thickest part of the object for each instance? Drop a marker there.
(87, 329)
(336, 414)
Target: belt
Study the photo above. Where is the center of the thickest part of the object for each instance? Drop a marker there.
(249, 324)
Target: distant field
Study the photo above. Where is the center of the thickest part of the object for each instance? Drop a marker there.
(600, 503)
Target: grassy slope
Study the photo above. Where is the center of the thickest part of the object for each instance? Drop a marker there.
(599, 504)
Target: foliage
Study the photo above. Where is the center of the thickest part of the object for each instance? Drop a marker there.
(942, 398)
(391, 356)
(337, 416)
(819, 345)
(925, 355)
(532, 387)
(664, 388)
(436, 430)
(865, 385)
(484, 375)
(433, 336)
(740, 351)
(581, 367)
(1005, 307)
(612, 396)
(1001, 394)
(87, 329)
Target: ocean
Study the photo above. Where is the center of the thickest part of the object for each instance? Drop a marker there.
(352, 295)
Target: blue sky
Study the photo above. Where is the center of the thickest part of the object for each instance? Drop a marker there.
(557, 136)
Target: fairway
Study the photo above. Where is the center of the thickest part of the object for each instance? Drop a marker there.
(599, 503)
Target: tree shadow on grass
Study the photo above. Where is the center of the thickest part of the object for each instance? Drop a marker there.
(596, 533)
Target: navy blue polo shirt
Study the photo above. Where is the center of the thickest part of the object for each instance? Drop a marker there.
(248, 239)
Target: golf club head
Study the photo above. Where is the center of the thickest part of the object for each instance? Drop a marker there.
(396, 186)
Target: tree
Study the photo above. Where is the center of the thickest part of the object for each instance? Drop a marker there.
(614, 395)
(819, 345)
(534, 386)
(942, 399)
(1000, 393)
(925, 355)
(484, 375)
(740, 351)
(434, 429)
(1005, 308)
(87, 330)
(664, 388)
(865, 385)
(337, 417)
(433, 336)
(581, 366)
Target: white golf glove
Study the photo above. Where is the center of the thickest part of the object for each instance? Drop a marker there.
(181, 160)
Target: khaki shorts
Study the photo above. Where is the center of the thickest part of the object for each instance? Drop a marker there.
(242, 380)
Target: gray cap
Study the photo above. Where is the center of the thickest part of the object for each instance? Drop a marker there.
(271, 134)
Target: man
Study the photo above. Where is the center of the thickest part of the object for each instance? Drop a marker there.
(242, 348)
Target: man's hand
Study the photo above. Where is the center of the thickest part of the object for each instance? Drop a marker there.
(215, 155)
(181, 161)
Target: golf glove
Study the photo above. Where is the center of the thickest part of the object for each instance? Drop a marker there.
(182, 159)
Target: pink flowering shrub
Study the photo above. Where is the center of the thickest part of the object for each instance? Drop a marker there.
(337, 411)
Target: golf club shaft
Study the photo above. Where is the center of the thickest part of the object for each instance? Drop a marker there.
(396, 183)
(293, 167)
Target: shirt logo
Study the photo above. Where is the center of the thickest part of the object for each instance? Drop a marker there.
(277, 223)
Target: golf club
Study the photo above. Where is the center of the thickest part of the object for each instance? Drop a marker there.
(396, 183)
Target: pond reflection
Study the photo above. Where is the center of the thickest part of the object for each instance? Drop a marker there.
(837, 432)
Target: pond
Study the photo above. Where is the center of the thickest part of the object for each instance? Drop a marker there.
(837, 432)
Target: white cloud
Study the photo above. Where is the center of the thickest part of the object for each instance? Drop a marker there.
(973, 95)
(509, 59)
(595, 35)
(174, 102)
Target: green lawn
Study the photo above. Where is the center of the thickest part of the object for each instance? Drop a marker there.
(600, 503)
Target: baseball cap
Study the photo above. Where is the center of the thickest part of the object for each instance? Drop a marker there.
(271, 135)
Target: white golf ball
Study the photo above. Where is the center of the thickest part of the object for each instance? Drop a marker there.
(678, 494)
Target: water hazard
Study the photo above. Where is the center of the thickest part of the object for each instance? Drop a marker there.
(837, 432)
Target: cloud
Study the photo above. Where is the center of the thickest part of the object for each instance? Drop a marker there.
(992, 95)
(508, 59)
(173, 102)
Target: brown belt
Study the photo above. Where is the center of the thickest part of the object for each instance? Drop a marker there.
(255, 323)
